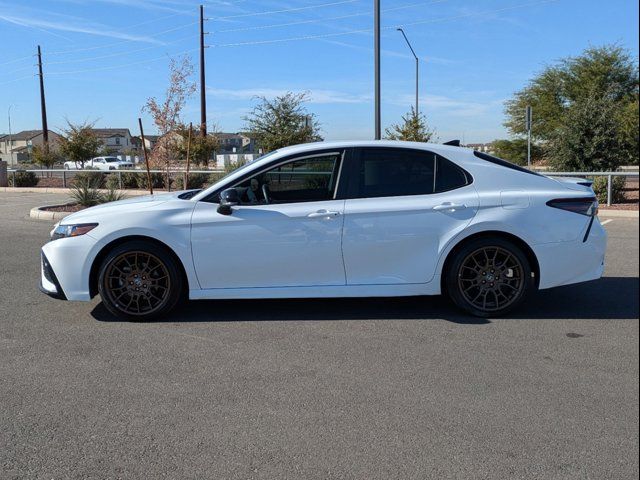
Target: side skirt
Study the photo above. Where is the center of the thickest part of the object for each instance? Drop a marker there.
(406, 290)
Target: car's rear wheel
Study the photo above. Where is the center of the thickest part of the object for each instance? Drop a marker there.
(139, 281)
(489, 277)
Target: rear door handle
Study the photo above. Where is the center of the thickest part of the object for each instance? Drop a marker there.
(323, 214)
(449, 206)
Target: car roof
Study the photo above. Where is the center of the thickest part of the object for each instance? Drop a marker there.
(436, 147)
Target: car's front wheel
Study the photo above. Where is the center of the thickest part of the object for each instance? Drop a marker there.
(139, 280)
(489, 277)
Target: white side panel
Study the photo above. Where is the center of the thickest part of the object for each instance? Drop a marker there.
(268, 245)
(398, 240)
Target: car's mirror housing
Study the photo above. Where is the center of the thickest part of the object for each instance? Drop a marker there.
(228, 199)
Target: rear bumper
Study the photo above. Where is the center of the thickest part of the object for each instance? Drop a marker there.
(565, 263)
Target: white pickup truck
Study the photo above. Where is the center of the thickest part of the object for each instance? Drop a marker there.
(100, 163)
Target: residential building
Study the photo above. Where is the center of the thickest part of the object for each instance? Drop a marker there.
(114, 140)
(235, 142)
(16, 148)
(481, 147)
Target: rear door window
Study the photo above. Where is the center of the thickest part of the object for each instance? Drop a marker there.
(392, 172)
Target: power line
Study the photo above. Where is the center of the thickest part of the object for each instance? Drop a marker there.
(119, 54)
(15, 60)
(296, 9)
(318, 20)
(113, 67)
(369, 30)
(157, 34)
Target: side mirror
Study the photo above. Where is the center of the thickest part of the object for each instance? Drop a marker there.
(228, 199)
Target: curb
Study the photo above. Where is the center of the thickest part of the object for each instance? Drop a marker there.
(619, 213)
(37, 213)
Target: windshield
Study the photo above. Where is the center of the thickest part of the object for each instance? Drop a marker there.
(112, 159)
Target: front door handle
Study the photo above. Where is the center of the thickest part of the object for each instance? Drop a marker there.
(323, 214)
(448, 206)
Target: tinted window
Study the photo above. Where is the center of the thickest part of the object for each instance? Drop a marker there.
(396, 172)
(306, 180)
(449, 176)
(503, 163)
(393, 172)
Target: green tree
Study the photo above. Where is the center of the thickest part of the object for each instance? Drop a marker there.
(45, 157)
(628, 118)
(201, 148)
(562, 93)
(590, 138)
(282, 121)
(78, 143)
(413, 128)
(515, 151)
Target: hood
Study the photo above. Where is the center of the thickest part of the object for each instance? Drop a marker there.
(123, 206)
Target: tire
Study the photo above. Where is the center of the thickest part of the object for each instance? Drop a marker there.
(140, 281)
(489, 277)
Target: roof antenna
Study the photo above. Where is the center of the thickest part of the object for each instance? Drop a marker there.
(453, 143)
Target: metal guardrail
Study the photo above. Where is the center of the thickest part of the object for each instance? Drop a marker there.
(69, 173)
(609, 176)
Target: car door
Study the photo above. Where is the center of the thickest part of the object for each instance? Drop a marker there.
(285, 233)
(402, 206)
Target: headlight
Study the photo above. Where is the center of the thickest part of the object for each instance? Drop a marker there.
(64, 231)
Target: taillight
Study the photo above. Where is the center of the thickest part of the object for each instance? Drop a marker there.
(584, 206)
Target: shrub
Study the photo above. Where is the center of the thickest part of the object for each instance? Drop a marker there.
(214, 177)
(196, 180)
(84, 193)
(22, 178)
(157, 181)
(129, 180)
(94, 178)
(112, 195)
(617, 189)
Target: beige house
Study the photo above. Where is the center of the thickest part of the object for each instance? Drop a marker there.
(114, 140)
(16, 148)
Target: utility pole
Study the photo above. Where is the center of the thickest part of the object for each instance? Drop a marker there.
(10, 137)
(203, 99)
(529, 118)
(417, 67)
(376, 49)
(43, 105)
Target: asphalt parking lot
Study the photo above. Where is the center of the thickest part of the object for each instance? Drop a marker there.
(362, 389)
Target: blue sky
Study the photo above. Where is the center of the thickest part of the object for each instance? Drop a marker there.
(103, 58)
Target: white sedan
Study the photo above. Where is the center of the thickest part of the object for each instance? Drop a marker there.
(99, 163)
(349, 219)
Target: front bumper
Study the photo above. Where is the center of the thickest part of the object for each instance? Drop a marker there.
(49, 283)
(66, 265)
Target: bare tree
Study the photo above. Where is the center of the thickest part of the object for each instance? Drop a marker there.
(166, 113)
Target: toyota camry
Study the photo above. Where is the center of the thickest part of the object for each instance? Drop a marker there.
(348, 219)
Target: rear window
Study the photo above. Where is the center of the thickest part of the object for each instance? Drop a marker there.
(504, 163)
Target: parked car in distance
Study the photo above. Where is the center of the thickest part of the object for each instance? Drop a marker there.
(341, 219)
(99, 163)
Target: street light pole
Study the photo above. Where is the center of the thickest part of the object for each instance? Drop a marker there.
(10, 137)
(376, 49)
(417, 66)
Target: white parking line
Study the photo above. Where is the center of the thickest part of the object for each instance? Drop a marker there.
(606, 221)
